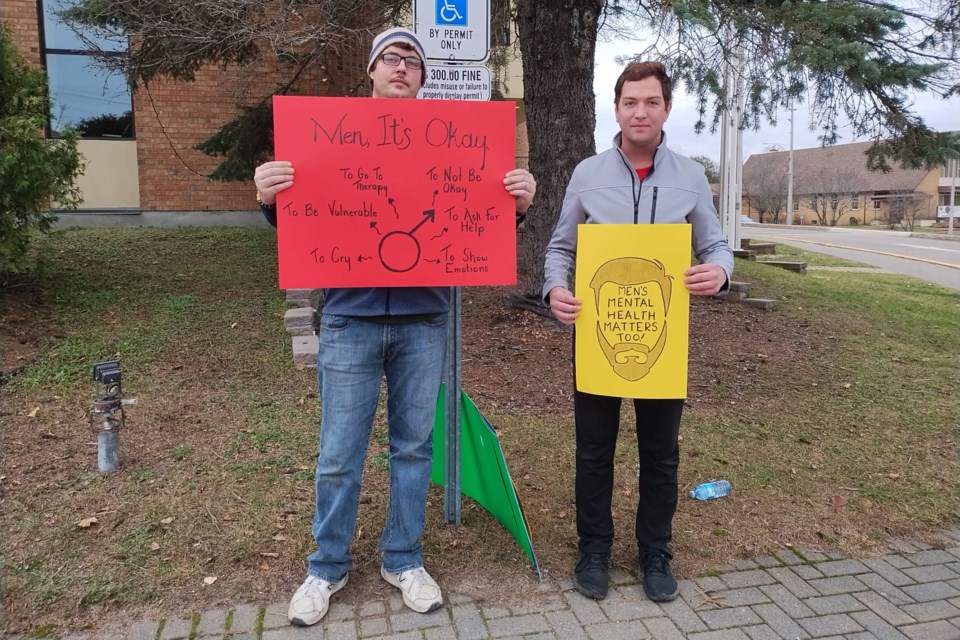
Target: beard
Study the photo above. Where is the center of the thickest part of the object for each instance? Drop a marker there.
(631, 360)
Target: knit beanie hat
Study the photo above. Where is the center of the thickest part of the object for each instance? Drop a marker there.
(393, 36)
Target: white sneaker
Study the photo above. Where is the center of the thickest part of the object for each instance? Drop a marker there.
(312, 600)
(420, 592)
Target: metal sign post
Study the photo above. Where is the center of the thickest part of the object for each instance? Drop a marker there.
(453, 31)
(731, 152)
(451, 418)
(955, 168)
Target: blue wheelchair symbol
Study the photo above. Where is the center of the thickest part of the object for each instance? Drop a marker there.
(451, 12)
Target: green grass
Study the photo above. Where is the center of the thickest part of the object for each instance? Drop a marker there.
(852, 438)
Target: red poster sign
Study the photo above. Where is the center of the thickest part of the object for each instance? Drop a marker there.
(395, 192)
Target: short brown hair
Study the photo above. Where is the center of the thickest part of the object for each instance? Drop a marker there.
(640, 71)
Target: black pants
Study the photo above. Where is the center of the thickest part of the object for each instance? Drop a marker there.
(658, 428)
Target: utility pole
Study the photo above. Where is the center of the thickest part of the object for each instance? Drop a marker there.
(731, 149)
(790, 171)
(955, 165)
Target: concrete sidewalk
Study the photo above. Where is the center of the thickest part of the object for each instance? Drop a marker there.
(913, 593)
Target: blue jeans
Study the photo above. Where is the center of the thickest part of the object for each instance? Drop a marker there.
(354, 356)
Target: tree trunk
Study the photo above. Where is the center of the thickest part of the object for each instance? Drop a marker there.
(557, 40)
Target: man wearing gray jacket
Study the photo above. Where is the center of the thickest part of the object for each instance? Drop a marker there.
(638, 181)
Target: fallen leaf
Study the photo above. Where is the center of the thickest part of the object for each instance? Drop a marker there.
(234, 325)
(154, 546)
(269, 554)
(167, 520)
(279, 537)
(33, 414)
(839, 501)
(87, 522)
(209, 580)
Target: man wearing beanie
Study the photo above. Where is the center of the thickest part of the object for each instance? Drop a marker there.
(366, 333)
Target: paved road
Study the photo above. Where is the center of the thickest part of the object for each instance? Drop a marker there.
(911, 593)
(921, 256)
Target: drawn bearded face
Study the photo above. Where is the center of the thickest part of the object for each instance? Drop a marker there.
(632, 296)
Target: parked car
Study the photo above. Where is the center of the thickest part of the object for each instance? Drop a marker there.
(745, 219)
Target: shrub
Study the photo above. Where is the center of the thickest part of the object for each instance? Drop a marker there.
(35, 173)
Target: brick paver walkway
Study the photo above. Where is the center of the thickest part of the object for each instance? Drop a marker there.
(911, 593)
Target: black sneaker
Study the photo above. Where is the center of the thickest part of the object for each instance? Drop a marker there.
(590, 574)
(658, 581)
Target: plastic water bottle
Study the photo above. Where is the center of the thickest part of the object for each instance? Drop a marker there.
(711, 490)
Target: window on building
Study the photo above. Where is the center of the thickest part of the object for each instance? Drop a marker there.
(855, 201)
(834, 201)
(796, 205)
(94, 101)
(876, 203)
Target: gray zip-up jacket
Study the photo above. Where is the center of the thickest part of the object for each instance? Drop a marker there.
(605, 189)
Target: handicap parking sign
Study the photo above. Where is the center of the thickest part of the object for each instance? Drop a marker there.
(451, 12)
(452, 31)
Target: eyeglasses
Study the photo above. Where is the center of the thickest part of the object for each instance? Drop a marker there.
(393, 60)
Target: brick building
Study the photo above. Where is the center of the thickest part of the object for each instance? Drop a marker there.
(139, 147)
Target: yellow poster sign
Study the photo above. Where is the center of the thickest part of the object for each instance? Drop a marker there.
(633, 327)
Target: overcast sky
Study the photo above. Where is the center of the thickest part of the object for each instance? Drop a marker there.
(939, 114)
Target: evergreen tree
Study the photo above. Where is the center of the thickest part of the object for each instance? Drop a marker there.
(711, 168)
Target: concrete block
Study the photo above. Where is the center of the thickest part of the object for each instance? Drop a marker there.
(763, 248)
(245, 619)
(298, 321)
(841, 568)
(931, 591)
(748, 578)
(177, 628)
(746, 254)
(305, 350)
(798, 267)
(761, 303)
(732, 296)
(304, 297)
(212, 623)
(838, 624)
(933, 556)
